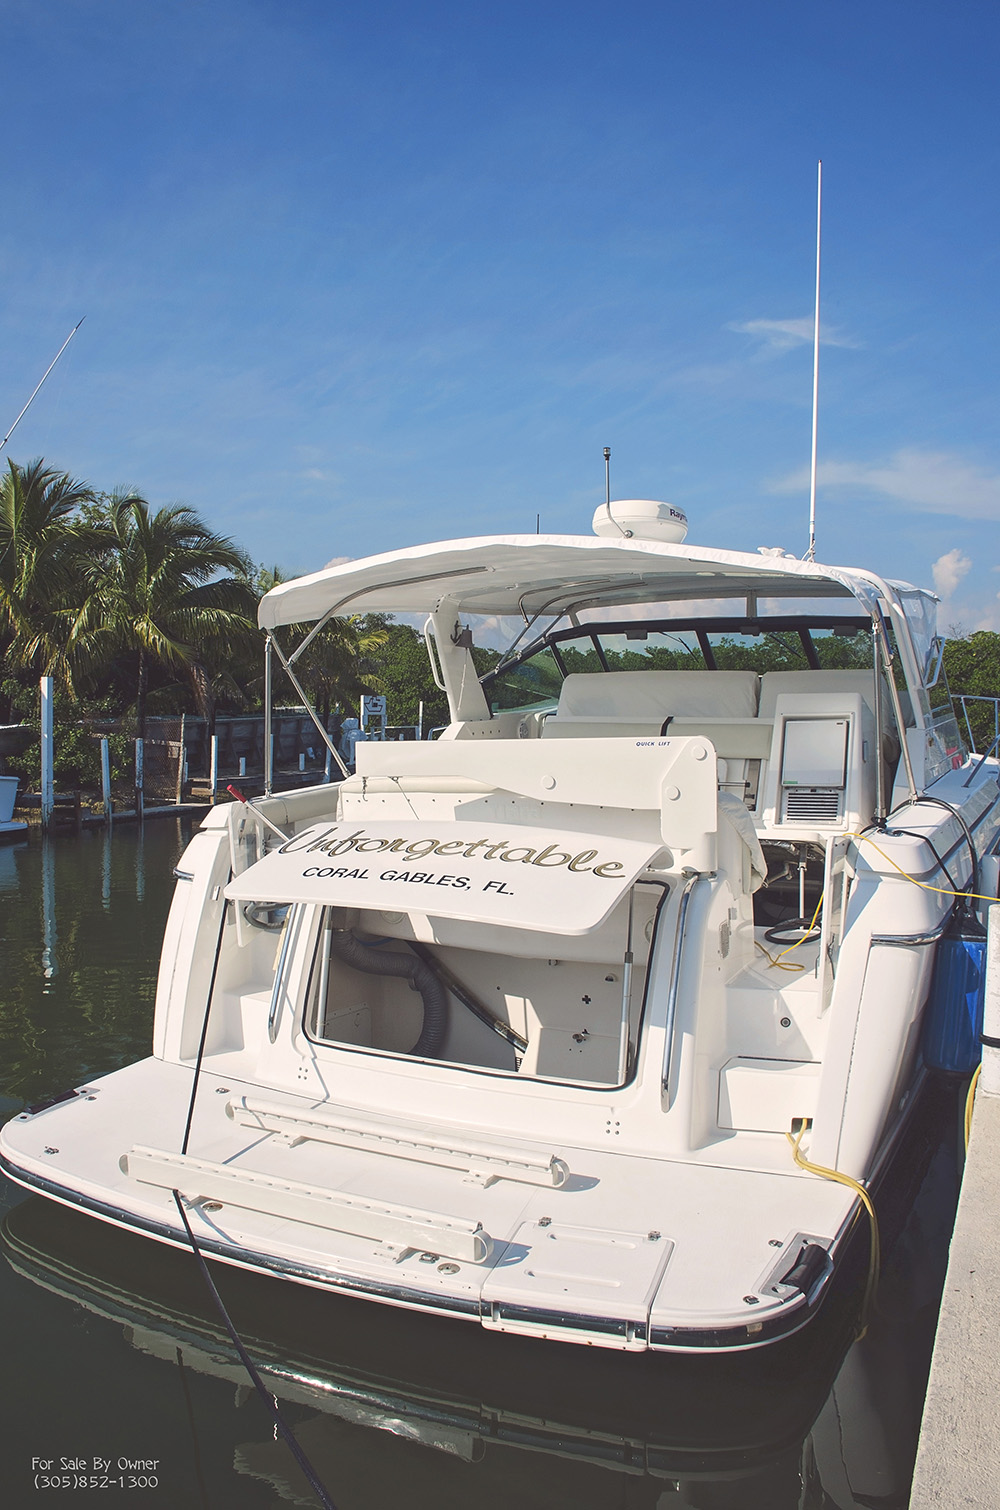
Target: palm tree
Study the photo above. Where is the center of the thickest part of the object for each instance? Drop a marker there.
(155, 589)
(43, 545)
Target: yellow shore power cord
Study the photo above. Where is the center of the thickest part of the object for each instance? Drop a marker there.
(874, 1253)
(972, 896)
(874, 1258)
(970, 1101)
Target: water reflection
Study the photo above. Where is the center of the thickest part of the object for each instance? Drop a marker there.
(50, 961)
(140, 863)
(110, 1344)
(80, 952)
(391, 1405)
(8, 866)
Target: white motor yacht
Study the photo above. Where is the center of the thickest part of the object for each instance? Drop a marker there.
(562, 1021)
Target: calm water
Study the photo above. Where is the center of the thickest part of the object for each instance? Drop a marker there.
(110, 1347)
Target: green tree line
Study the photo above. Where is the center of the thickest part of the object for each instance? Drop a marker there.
(136, 611)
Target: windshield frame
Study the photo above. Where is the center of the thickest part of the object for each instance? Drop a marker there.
(800, 624)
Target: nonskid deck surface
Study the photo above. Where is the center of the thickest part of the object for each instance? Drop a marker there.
(622, 1244)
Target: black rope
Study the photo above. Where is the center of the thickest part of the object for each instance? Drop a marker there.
(249, 1365)
(245, 1359)
(988, 1042)
(974, 885)
(204, 1033)
(910, 833)
(199, 1474)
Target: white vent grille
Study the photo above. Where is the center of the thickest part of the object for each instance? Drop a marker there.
(812, 804)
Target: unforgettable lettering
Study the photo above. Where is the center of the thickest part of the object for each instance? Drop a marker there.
(332, 843)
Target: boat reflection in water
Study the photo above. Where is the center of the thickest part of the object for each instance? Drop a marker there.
(388, 1403)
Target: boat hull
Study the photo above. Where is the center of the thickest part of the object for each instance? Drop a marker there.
(629, 1253)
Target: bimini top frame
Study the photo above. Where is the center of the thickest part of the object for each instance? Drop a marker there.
(532, 575)
(516, 574)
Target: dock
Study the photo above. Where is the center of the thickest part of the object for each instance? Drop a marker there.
(958, 1457)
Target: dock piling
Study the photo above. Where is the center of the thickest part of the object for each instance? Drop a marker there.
(106, 780)
(48, 752)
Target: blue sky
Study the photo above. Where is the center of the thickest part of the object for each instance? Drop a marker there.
(361, 276)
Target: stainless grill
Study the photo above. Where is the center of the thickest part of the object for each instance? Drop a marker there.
(812, 804)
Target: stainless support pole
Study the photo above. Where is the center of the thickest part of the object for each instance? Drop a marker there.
(268, 747)
(323, 733)
(881, 806)
(897, 707)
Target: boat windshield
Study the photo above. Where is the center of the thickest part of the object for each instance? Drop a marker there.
(793, 643)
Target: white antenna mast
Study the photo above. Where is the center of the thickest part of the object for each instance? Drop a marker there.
(45, 374)
(811, 552)
(627, 534)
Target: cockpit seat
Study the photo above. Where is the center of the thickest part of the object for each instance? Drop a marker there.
(632, 696)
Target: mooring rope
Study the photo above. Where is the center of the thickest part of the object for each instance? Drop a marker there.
(248, 1363)
(270, 1401)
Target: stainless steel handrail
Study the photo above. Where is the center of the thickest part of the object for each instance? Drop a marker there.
(910, 940)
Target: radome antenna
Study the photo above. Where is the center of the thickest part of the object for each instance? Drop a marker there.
(811, 552)
(45, 374)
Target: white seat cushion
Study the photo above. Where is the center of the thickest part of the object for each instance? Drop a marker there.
(657, 695)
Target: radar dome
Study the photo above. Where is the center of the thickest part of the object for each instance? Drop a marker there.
(641, 519)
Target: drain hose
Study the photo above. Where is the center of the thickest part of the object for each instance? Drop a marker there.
(375, 961)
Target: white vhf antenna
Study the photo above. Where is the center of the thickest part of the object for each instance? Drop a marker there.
(626, 534)
(45, 374)
(811, 552)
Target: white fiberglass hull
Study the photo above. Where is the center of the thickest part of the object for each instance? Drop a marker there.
(628, 1252)
(518, 1025)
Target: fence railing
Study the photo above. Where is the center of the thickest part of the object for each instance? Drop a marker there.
(983, 724)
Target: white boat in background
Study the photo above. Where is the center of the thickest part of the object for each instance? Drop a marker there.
(514, 1025)
(10, 827)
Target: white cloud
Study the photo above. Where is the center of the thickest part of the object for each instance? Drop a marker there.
(949, 570)
(784, 335)
(935, 482)
(989, 618)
